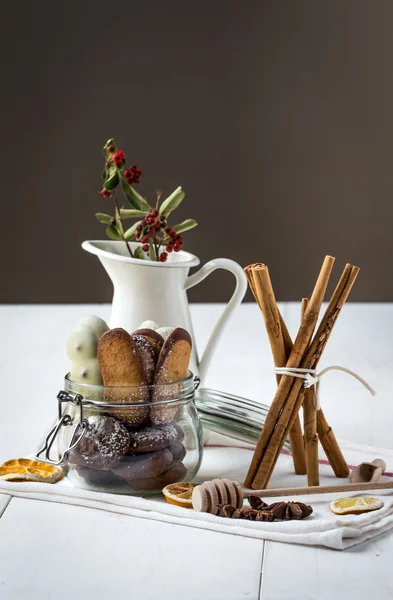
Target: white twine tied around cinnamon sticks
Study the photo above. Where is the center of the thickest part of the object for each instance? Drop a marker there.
(312, 378)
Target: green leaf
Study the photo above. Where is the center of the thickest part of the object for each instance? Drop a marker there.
(103, 218)
(131, 213)
(112, 182)
(172, 202)
(143, 203)
(139, 253)
(112, 233)
(105, 152)
(129, 194)
(119, 224)
(185, 226)
(131, 231)
(152, 254)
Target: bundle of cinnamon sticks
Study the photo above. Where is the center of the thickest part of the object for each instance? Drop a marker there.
(305, 352)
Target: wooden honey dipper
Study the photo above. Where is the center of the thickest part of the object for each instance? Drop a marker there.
(207, 496)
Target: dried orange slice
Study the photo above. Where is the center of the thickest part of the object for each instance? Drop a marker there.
(179, 494)
(346, 506)
(26, 469)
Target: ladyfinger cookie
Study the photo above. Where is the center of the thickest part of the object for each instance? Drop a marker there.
(172, 367)
(154, 338)
(123, 371)
(148, 354)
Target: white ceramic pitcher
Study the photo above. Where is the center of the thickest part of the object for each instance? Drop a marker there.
(147, 290)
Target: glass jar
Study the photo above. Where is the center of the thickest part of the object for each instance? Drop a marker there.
(128, 440)
(232, 416)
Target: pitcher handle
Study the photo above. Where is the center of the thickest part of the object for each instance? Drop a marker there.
(234, 302)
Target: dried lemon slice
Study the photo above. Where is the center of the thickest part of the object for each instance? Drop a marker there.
(25, 469)
(179, 494)
(346, 506)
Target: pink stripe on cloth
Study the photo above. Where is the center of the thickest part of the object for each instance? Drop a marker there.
(322, 461)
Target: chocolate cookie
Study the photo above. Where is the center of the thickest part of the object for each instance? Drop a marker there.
(177, 450)
(123, 373)
(142, 466)
(172, 367)
(105, 442)
(180, 432)
(152, 439)
(175, 472)
(102, 478)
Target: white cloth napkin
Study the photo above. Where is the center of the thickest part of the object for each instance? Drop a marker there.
(323, 528)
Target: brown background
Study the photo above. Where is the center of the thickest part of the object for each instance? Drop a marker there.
(275, 116)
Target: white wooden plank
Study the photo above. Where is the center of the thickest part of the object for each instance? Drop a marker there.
(4, 501)
(52, 550)
(299, 572)
(362, 341)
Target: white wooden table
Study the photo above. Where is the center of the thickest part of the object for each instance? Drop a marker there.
(56, 551)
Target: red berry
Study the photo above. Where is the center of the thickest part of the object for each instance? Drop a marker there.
(133, 174)
(169, 248)
(154, 213)
(168, 230)
(144, 239)
(163, 256)
(111, 149)
(173, 235)
(145, 247)
(176, 248)
(149, 220)
(119, 158)
(105, 194)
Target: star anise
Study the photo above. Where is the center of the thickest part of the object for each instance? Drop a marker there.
(264, 515)
(256, 502)
(289, 511)
(248, 514)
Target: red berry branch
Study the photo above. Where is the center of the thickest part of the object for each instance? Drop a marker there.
(154, 236)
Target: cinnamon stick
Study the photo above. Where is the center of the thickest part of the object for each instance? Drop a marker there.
(331, 447)
(296, 394)
(280, 343)
(316, 426)
(280, 412)
(310, 428)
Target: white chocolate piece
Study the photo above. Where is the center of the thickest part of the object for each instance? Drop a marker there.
(82, 351)
(97, 324)
(165, 331)
(86, 371)
(149, 325)
(82, 343)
